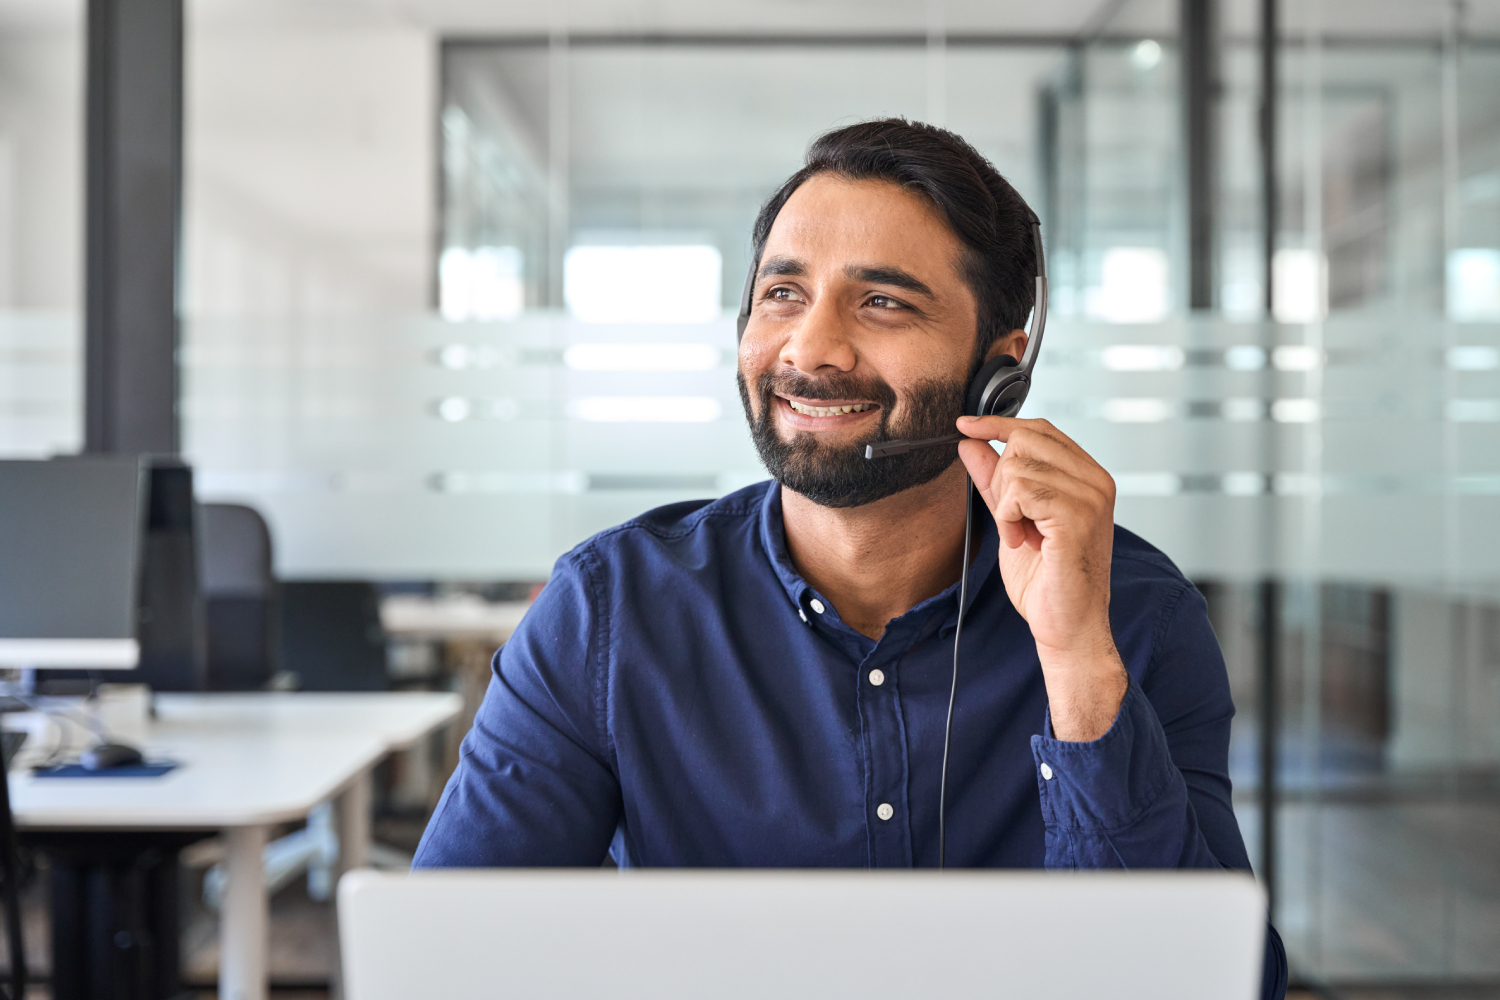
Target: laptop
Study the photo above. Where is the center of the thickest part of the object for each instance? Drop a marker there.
(530, 934)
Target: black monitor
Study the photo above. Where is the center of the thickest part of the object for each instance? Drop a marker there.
(71, 532)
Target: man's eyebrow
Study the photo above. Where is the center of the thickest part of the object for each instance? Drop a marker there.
(888, 276)
(782, 265)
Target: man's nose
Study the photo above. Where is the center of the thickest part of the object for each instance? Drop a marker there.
(820, 341)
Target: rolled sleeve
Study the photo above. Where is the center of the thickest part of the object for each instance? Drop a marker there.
(1153, 791)
(1115, 802)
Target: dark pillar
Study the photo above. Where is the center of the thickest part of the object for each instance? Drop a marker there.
(1200, 86)
(1270, 625)
(1269, 697)
(134, 147)
(1270, 190)
(1047, 123)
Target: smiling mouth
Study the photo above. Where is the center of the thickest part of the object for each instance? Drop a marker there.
(827, 411)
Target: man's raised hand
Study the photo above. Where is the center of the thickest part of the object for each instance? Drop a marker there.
(1054, 508)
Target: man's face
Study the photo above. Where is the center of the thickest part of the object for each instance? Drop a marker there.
(862, 329)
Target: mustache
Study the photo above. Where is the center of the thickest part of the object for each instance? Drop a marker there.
(839, 385)
(840, 476)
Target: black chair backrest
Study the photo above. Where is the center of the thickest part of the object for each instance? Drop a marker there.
(331, 637)
(236, 557)
(239, 597)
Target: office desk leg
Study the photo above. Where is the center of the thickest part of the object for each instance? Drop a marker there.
(354, 814)
(244, 916)
(354, 823)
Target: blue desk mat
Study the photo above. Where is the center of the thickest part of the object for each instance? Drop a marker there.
(150, 769)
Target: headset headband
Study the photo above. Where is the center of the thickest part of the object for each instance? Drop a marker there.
(1038, 324)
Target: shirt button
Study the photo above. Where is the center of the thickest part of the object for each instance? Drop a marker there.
(803, 615)
(877, 677)
(884, 810)
(1046, 772)
(816, 605)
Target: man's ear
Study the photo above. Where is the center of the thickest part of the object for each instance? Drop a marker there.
(1013, 343)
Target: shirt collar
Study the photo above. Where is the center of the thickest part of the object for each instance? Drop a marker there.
(773, 537)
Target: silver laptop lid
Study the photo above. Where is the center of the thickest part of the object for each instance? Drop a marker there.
(758, 935)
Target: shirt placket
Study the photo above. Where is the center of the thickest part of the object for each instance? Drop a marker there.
(887, 811)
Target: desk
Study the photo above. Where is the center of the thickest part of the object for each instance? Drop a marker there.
(247, 763)
(456, 617)
(467, 630)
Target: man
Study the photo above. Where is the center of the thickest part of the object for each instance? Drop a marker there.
(763, 680)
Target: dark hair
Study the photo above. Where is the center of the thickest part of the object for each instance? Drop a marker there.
(983, 210)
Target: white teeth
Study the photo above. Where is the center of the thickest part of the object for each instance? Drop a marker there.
(828, 411)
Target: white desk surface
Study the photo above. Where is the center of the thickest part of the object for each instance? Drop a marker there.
(396, 718)
(461, 616)
(244, 759)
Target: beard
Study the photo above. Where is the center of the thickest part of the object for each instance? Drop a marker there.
(840, 475)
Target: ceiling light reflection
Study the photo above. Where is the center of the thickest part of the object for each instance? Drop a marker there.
(645, 409)
(642, 357)
(1142, 358)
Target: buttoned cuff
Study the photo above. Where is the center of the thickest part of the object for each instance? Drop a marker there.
(1108, 784)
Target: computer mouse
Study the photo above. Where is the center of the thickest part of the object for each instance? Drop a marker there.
(110, 755)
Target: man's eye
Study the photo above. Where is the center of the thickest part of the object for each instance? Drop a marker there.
(780, 294)
(885, 302)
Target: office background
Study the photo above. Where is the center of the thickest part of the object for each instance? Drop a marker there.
(424, 330)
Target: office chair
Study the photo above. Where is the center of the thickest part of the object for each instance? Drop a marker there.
(331, 636)
(239, 597)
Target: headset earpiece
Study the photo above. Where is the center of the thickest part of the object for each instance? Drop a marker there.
(998, 388)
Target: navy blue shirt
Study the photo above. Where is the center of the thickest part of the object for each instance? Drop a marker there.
(680, 696)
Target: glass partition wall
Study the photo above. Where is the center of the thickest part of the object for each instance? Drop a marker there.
(576, 365)
(1387, 282)
(1330, 471)
(464, 394)
(41, 229)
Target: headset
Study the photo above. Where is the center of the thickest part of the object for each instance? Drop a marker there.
(997, 390)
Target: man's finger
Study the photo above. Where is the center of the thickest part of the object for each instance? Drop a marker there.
(996, 476)
(1029, 446)
(981, 461)
(1000, 428)
(1067, 473)
(1054, 509)
(1014, 534)
(1037, 439)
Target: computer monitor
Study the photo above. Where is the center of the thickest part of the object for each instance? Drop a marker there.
(70, 554)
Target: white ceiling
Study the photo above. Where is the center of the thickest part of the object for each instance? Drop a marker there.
(1396, 18)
